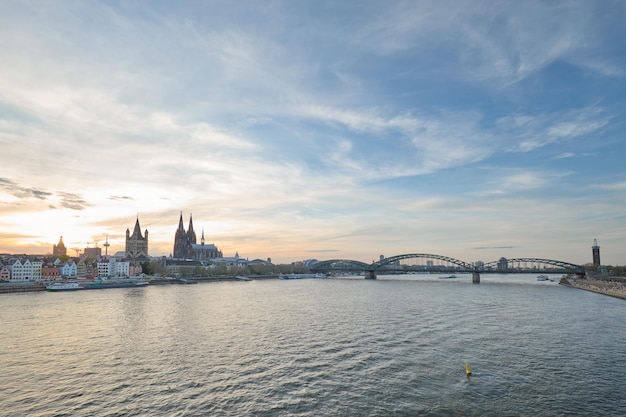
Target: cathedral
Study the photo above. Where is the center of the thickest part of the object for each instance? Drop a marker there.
(186, 246)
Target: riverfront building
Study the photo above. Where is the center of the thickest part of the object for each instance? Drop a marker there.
(114, 268)
(5, 274)
(68, 269)
(25, 270)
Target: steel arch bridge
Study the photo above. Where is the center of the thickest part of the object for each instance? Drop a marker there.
(341, 265)
(392, 259)
(558, 264)
(348, 265)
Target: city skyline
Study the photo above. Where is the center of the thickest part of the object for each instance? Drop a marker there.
(316, 129)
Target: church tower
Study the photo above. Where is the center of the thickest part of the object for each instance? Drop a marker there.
(180, 240)
(136, 244)
(595, 252)
(191, 235)
(59, 249)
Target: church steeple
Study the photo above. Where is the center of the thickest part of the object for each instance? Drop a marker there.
(191, 235)
(136, 244)
(59, 248)
(202, 239)
(137, 230)
(181, 228)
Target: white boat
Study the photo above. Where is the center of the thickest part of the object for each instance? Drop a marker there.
(96, 285)
(64, 286)
(543, 278)
(301, 276)
(448, 277)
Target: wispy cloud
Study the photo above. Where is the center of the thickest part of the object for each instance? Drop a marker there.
(358, 124)
(615, 186)
(12, 188)
(531, 132)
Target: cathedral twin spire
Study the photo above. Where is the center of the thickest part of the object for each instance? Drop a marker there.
(184, 239)
(186, 247)
(191, 235)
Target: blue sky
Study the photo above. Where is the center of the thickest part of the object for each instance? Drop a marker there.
(316, 129)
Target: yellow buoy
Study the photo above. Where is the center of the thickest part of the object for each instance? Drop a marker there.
(467, 369)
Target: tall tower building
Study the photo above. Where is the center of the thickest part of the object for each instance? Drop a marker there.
(595, 252)
(59, 249)
(191, 235)
(181, 240)
(136, 244)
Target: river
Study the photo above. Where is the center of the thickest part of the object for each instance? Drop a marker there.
(396, 346)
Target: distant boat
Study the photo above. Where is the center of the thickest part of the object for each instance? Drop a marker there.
(543, 278)
(448, 277)
(97, 285)
(301, 276)
(64, 286)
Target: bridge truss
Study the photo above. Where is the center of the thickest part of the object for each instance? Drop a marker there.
(438, 262)
(432, 262)
(346, 265)
(532, 264)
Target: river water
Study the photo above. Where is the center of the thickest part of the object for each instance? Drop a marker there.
(396, 346)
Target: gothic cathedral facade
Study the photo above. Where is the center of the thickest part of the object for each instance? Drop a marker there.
(186, 246)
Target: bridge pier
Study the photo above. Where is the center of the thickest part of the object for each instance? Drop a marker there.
(476, 277)
(370, 274)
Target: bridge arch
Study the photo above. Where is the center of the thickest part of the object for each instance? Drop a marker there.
(559, 264)
(340, 265)
(388, 261)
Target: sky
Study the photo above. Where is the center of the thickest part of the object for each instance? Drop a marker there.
(297, 130)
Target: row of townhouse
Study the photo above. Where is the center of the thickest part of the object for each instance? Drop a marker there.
(21, 270)
(28, 270)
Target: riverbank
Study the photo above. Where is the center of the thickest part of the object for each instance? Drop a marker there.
(9, 287)
(612, 288)
(6, 288)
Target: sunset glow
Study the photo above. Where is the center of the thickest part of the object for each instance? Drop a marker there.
(296, 130)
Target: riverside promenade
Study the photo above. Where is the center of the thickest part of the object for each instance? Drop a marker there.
(614, 288)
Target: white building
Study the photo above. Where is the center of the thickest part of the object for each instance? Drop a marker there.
(68, 269)
(25, 270)
(122, 269)
(104, 268)
(113, 268)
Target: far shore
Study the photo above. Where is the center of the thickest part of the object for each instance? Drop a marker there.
(613, 288)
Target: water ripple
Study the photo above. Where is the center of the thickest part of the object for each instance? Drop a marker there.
(311, 348)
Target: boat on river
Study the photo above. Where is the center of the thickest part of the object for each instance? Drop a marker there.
(301, 276)
(64, 286)
(96, 285)
(543, 278)
(448, 277)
